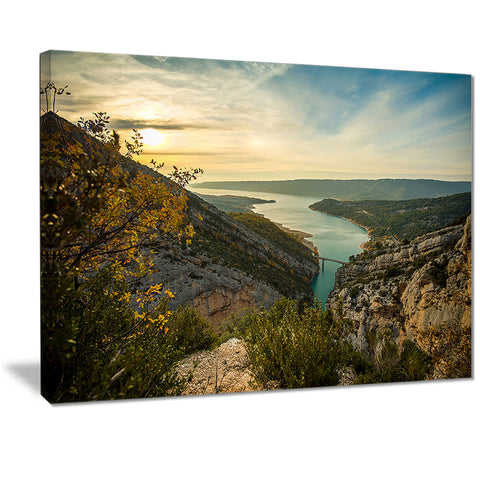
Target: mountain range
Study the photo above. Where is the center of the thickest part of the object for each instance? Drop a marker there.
(382, 189)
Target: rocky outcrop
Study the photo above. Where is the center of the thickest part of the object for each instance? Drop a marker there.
(408, 291)
(216, 291)
(223, 370)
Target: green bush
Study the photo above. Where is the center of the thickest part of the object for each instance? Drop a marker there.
(236, 325)
(296, 350)
(392, 271)
(413, 364)
(189, 331)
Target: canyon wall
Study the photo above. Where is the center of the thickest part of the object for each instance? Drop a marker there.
(414, 291)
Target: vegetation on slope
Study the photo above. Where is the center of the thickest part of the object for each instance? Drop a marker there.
(296, 350)
(227, 245)
(405, 218)
(290, 348)
(101, 336)
(275, 235)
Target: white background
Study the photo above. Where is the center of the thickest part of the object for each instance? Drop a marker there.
(427, 430)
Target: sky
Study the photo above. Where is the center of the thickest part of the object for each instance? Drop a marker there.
(266, 121)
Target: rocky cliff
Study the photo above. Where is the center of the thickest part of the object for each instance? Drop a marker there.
(214, 290)
(420, 291)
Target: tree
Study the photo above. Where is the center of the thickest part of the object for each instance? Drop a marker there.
(93, 210)
(100, 210)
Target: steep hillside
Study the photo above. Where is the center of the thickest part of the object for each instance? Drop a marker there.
(227, 267)
(274, 234)
(395, 189)
(419, 292)
(402, 218)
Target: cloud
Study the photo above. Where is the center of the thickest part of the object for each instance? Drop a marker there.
(265, 117)
(174, 153)
(129, 123)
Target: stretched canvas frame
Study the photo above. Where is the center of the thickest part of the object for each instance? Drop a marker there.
(149, 289)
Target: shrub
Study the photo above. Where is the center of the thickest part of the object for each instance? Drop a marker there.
(296, 350)
(358, 360)
(391, 271)
(236, 326)
(189, 331)
(414, 363)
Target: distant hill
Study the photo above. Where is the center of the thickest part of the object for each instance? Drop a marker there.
(383, 189)
(404, 218)
(233, 203)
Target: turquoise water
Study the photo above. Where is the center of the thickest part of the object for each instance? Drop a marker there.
(334, 237)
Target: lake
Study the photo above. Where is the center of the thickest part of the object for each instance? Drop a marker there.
(334, 237)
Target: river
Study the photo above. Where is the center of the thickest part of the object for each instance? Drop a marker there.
(334, 237)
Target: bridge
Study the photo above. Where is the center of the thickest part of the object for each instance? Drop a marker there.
(329, 260)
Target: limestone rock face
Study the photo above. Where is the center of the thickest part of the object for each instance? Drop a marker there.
(408, 290)
(427, 304)
(214, 290)
(220, 303)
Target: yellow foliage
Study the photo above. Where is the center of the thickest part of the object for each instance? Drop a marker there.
(94, 212)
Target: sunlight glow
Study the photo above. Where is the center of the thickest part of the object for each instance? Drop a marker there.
(152, 137)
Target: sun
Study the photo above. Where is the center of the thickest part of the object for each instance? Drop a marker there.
(152, 137)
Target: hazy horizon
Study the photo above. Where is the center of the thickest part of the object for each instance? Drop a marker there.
(266, 121)
(200, 180)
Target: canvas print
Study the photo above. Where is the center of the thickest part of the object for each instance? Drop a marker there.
(218, 226)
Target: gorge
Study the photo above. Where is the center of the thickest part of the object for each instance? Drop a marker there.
(333, 237)
(393, 290)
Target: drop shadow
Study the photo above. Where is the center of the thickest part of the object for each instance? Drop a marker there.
(28, 372)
